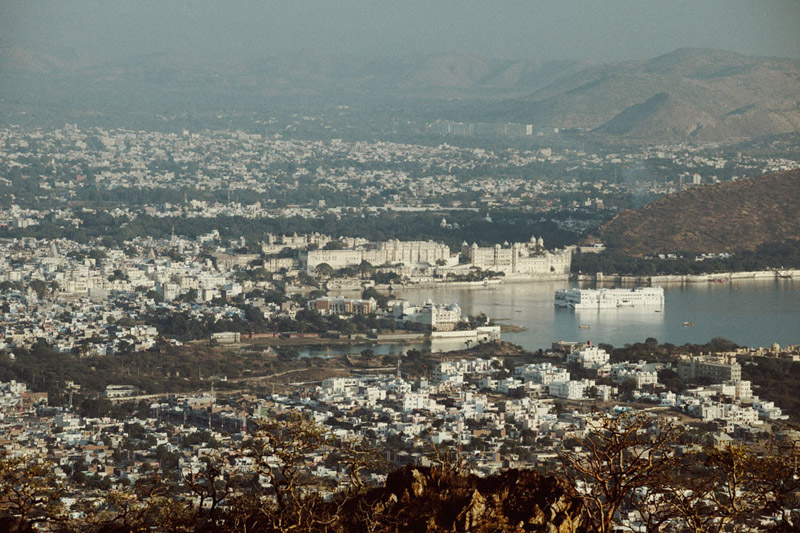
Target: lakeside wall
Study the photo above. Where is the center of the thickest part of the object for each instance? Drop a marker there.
(477, 284)
(592, 278)
(722, 277)
(483, 333)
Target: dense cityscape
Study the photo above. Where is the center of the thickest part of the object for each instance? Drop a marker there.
(478, 268)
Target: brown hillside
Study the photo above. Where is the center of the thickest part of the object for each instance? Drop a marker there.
(725, 217)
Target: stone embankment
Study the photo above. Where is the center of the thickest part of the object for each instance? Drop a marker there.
(719, 277)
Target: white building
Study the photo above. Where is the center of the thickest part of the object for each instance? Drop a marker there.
(730, 412)
(640, 373)
(609, 298)
(447, 372)
(768, 410)
(543, 373)
(120, 391)
(590, 357)
(523, 258)
(571, 390)
(393, 252)
(339, 305)
(436, 317)
(717, 368)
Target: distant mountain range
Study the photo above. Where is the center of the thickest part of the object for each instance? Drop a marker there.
(688, 94)
(436, 76)
(707, 95)
(724, 217)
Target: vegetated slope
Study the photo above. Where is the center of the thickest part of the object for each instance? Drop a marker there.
(687, 94)
(725, 217)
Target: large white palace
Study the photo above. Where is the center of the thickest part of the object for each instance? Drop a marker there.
(393, 252)
(523, 258)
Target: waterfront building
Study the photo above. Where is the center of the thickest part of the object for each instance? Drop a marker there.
(609, 298)
(566, 347)
(392, 252)
(436, 317)
(343, 306)
(521, 258)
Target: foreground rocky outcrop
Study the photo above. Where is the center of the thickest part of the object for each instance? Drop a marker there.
(430, 499)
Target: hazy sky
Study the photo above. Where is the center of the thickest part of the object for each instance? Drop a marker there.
(597, 30)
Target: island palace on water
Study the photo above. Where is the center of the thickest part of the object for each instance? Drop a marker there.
(609, 298)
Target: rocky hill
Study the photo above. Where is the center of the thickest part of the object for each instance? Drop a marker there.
(725, 217)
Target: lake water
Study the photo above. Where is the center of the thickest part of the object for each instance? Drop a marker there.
(750, 313)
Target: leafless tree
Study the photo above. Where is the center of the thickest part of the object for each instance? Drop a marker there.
(617, 456)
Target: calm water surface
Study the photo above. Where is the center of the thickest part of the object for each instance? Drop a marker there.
(750, 313)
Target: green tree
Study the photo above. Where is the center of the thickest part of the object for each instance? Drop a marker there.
(334, 245)
(40, 287)
(365, 269)
(324, 270)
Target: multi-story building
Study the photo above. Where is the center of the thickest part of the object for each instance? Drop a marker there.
(343, 306)
(436, 317)
(275, 243)
(717, 369)
(768, 410)
(730, 412)
(393, 252)
(640, 373)
(589, 357)
(542, 373)
(522, 258)
(447, 372)
(609, 298)
(570, 390)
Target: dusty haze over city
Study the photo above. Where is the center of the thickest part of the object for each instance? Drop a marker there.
(211, 31)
